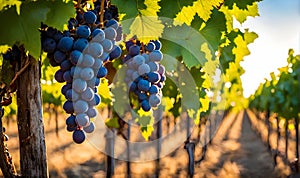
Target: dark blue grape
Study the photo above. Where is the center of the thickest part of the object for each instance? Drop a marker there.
(71, 121)
(67, 76)
(78, 136)
(68, 107)
(75, 57)
(145, 105)
(83, 31)
(65, 88)
(80, 44)
(90, 17)
(59, 56)
(65, 44)
(112, 23)
(153, 77)
(66, 65)
(134, 50)
(102, 72)
(157, 44)
(150, 46)
(59, 76)
(144, 85)
(115, 53)
(49, 45)
(153, 89)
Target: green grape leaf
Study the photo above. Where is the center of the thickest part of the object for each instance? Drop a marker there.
(169, 10)
(8, 3)
(129, 7)
(212, 31)
(188, 44)
(202, 8)
(112, 123)
(59, 13)
(23, 28)
(240, 4)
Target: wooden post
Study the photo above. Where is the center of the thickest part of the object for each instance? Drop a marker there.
(269, 129)
(297, 144)
(33, 159)
(286, 138)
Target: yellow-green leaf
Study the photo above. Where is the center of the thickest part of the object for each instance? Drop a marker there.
(146, 28)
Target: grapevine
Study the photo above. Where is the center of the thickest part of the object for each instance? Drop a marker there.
(144, 75)
(81, 52)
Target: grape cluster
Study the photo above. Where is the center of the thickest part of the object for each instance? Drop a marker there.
(145, 75)
(81, 53)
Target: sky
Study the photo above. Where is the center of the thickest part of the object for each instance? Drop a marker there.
(278, 27)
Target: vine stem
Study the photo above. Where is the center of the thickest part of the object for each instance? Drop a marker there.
(19, 72)
(102, 13)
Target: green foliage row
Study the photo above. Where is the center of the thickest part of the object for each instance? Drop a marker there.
(281, 94)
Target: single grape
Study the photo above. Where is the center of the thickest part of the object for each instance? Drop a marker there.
(96, 100)
(71, 121)
(79, 85)
(97, 64)
(137, 61)
(153, 66)
(161, 69)
(78, 136)
(155, 56)
(59, 56)
(153, 77)
(88, 94)
(154, 100)
(90, 128)
(66, 65)
(49, 45)
(157, 44)
(115, 53)
(92, 112)
(83, 31)
(80, 44)
(153, 89)
(87, 73)
(112, 23)
(67, 76)
(107, 45)
(142, 96)
(143, 85)
(59, 76)
(110, 33)
(143, 69)
(104, 57)
(89, 17)
(76, 57)
(68, 107)
(98, 35)
(88, 61)
(150, 46)
(95, 49)
(145, 105)
(65, 88)
(65, 44)
(71, 129)
(81, 106)
(72, 95)
(132, 86)
(102, 72)
(134, 50)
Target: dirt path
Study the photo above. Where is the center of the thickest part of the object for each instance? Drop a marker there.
(237, 152)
